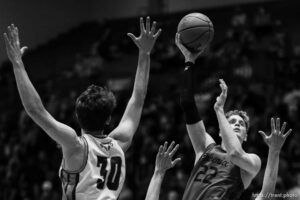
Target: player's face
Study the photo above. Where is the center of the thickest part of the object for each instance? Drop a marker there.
(239, 126)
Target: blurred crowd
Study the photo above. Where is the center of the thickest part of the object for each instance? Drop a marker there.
(253, 53)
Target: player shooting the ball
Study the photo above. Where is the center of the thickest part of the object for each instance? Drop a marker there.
(93, 165)
(220, 171)
(274, 141)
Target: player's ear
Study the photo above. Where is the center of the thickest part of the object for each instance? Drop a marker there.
(108, 120)
(76, 116)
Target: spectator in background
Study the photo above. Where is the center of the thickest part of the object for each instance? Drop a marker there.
(47, 191)
(239, 18)
(173, 195)
(262, 18)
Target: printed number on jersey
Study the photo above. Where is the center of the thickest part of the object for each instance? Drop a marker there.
(111, 178)
(206, 173)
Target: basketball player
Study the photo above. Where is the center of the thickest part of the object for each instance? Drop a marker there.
(162, 164)
(220, 171)
(275, 142)
(93, 165)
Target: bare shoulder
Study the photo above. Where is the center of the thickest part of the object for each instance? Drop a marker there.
(74, 157)
(121, 136)
(79, 146)
(124, 145)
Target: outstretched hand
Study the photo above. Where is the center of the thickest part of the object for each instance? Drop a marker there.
(148, 36)
(277, 137)
(188, 55)
(12, 43)
(164, 157)
(220, 102)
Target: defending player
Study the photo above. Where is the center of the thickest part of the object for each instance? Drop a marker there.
(162, 164)
(220, 171)
(93, 165)
(275, 142)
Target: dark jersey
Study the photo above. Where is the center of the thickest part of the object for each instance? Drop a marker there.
(214, 177)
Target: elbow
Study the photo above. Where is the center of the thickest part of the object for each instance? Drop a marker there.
(235, 153)
(257, 166)
(250, 163)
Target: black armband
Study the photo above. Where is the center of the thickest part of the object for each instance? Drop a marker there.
(187, 100)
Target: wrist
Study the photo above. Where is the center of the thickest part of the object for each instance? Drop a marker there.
(17, 63)
(146, 53)
(275, 151)
(160, 173)
(219, 110)
(189, 60)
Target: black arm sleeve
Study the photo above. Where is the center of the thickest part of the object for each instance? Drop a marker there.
(187, 100)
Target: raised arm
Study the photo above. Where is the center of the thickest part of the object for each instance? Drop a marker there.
(31, 101)
(249, 162)
(124, 132)
(162, 164)
(275, 142)
(195, 126)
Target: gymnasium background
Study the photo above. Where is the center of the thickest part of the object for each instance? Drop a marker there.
(256, 49)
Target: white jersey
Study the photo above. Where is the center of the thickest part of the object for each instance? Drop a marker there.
(103, 175)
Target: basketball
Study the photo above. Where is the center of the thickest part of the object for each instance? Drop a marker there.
(196, 31)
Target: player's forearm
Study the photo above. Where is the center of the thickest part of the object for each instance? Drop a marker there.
(250, 163)
(271, 172)
(231, 141)
(187, 100)
(187, 92)
(29, 96)
(141, 77)
(155, 186)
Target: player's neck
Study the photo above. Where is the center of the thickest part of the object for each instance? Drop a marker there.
(98, 134)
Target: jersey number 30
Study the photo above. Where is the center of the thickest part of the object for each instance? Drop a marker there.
(113, 177)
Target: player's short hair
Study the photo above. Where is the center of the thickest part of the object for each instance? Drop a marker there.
(242, 114)
(93, 107)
